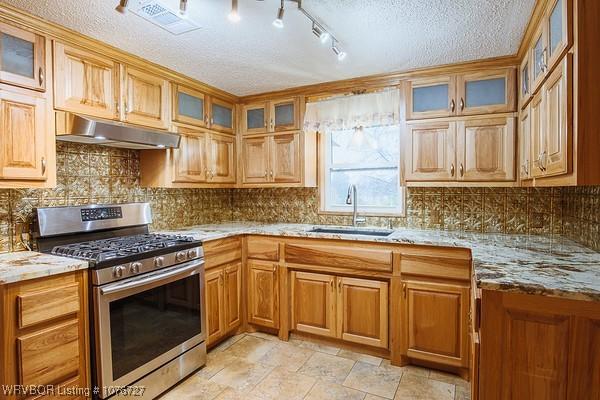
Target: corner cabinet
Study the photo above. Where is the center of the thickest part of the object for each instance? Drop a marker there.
(85, 82)
(145, 98)
(45, 332)
(263, 293)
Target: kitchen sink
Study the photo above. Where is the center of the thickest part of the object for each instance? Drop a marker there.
(352, 231)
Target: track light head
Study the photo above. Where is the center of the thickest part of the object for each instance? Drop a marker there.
(321, 33)
(183, 7)
(122, 6)
(338, 52)
(234, 16)
(278, 23)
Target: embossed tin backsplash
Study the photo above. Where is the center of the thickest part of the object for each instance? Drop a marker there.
(97, 174)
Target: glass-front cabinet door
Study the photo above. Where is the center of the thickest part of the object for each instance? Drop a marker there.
(524, 82)
(255, 118)
(558, 25)
(284, 115)
(189, 106)
(430, 97)
(486, 92)
(22, 55)
(221, 115)
(538, 59)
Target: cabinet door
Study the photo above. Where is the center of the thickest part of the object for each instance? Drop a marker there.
(190, 158)
(84, 82)
(285, 158)
(435, 320)
(584, 383)
(233, 292)
(556, 157)
(22, 58)
(146, 98)
(215, 319)
(255, 118)
(189, 106)
(524, 82)
(539, 57)
(222, 159)
(486, 149)
(221, 115)
(559, 27)
(255, 159)
(23, 135)
(525, 143)
(474, 368)
(430, 97)
(363, 311)
(313, 303)
(430, 152)
(263, 293)
(486, 92)
(538, 137)
(284, 115)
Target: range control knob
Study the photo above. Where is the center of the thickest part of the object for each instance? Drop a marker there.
(118, 271)
(193, 253)
(159, 261)
(135, 267)
(181, 256)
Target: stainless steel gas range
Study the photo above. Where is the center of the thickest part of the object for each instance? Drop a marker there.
(146, 295)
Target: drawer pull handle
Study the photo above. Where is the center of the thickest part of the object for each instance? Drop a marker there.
(43, 166)
(404, 290)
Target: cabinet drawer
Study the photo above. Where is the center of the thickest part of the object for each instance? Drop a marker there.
(262, 248)
(221, 251)
(33, 308)
(49, 356)
(435, 267)
(339, 256)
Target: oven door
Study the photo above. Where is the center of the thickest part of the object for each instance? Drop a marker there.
(146, 321)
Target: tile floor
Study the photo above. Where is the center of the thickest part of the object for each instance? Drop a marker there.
(257, 366)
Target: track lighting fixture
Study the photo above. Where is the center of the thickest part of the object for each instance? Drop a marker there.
(321, 33)
(234, 16)
(183, 7)
(278, 23)
(339, 53)
(122, 6)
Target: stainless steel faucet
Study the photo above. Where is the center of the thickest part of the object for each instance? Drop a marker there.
(352, 199)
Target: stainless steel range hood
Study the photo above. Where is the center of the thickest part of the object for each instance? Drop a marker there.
(76, 128)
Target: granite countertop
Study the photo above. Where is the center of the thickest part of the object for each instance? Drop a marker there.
(24, 265)
(551, 266)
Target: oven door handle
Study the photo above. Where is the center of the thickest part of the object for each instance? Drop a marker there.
(130, 284)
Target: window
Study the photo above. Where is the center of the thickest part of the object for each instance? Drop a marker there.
(368, 158)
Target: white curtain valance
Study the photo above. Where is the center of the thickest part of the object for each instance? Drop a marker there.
(365, 110)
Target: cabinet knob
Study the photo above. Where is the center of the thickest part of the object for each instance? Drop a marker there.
(404, 290)
(452, 169)
(462, 170)
(266, 173)
(462, 104)
(43, 165)
(274, 267)
(340, 285)
(271, 173)
(41, 76)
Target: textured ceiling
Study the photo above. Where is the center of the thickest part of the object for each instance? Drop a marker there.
(252, 56)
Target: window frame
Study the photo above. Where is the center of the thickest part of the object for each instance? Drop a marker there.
(324, 181)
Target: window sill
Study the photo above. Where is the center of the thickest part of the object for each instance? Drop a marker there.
(363, 214)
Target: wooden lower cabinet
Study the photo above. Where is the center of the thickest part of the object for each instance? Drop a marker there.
(435, 320)
(263, 293)
(223, 306)
(45, 332)
(351, 309)
(537, 347)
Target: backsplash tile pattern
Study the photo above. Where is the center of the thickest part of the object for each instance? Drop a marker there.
(99, 174)
(505, 210)
(96, 174)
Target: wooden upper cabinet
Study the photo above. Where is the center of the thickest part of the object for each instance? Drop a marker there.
(537, 134)
(285, 158)
(263, 293)
(524, 88)
(435, 320)
(525, 143)
(486, 149)
(24, 135)
(486, 92)
(362, 311)
(22, 58)
(85, 82)
(255, 118)
(430, 97)
(284, 115)
(189, 106)
(255, 159)
(556, 155)
(146, 98)
(221, 159)
(189, 160)
(221, 115)
(313, 303)
(430, 151)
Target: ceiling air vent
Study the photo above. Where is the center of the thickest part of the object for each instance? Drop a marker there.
(163, 16)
